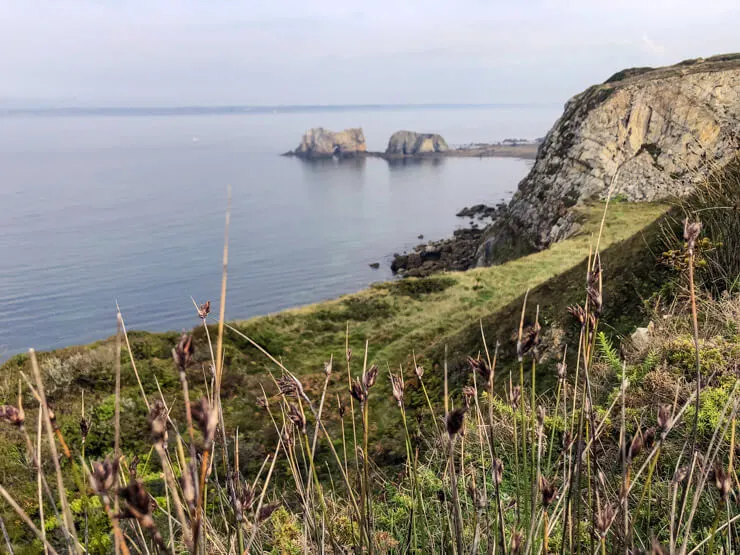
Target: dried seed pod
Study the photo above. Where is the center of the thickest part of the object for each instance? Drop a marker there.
(691, 232)
(262, 402)
(498, 470)
(562, 368)
(327, 368)
(206, 418)
(516, 543)
(480, 366)
(515, 394)
(358, 391)
(681, 475)
(340, 407)
(398, 388)
(138, 501)
(104, 476)
(419, 370)
(578, 313)
(454, 421)
(158, 422)
(548, 492)
(52, 417)
(530, 340)
(369, 377)
(635, 447)
(289, 386)
(84, 428)
(541, 414)
(664, 418)
(349, 355)
(722, 480)
(604, 518)
(204, 310)
(182, 353)
(12, 415)
(133, 466)
(649, 437)
(468, 395)
(297, 417)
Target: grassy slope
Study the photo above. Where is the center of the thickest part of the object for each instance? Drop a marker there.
(396, 318)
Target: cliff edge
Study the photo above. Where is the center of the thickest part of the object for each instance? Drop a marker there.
(651, 134)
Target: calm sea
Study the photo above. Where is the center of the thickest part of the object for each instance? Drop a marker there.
(99, 209)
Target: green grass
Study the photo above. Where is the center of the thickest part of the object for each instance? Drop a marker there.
(395, 318)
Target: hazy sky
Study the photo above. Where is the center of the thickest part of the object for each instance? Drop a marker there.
(213, 52)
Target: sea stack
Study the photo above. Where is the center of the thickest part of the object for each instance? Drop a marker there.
(322, 143)
(409, 143)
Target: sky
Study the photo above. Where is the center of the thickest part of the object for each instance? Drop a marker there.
(278, 52)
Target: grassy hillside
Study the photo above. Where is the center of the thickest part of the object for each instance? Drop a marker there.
(397, 319)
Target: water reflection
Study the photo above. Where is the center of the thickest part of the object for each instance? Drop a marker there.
(407, 162)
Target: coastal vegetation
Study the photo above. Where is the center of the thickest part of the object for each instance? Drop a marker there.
(582, 398)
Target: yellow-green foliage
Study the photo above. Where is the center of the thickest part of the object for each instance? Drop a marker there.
(285, 533)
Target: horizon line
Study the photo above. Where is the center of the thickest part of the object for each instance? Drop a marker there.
(195, 109)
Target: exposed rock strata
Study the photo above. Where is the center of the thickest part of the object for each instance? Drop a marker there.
(651, 134)
(409, 143)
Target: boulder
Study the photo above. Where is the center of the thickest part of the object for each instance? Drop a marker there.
(322, 143)
(408, 143)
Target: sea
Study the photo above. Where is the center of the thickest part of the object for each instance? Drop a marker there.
(107, 207)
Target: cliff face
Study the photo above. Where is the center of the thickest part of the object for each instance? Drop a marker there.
(408, 143)
(649, 133)
(322, 143)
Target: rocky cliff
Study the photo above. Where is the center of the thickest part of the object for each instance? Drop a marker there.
(322, 143)
(408, 143)
(646, 133)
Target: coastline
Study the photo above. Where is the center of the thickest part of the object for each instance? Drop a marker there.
(526, 151)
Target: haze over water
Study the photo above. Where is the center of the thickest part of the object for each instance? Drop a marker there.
(99, 209)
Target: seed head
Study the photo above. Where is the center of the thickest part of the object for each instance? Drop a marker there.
(84, 428)
(593, 287)
(604, 519)
(722, 480)
(562, 367)
(206, 418)
(158, 422)
(262, 402)
(454, 421)
(498, 470)
(104, 476)
(516, 543)
(541, 414)
(419, 370)
(340, 407)
(133, 466)
(290, 386)
(480, 366)
(12, 415)
(297, 417)
(681, 474)
(398, 387)
(691, 232)
(327, 368)
(138, 501)
(530, 340)
(649, 437)
(548, 492)
(515, 394)
(369, 377)
(204, 309)
(578, 313)
(635, 446)
(468, 394)
(358, 391)
(182, 354)
(664, 418)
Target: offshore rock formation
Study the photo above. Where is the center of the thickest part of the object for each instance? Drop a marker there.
(322, 143)
(649, 134)
(408, 143)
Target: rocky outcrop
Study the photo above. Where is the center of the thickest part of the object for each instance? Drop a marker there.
(322, 143)
(645, 134)
(456, 253)
(408, 143)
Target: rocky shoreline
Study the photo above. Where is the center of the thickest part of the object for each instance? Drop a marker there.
(455, 253)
